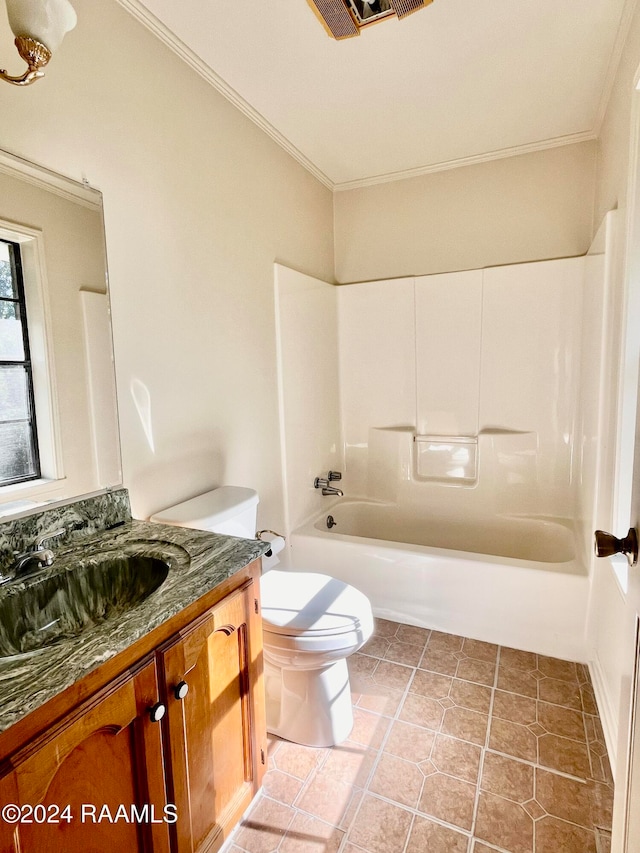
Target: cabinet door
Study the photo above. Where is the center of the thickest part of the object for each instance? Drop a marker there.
(106, 753)
(217, 736)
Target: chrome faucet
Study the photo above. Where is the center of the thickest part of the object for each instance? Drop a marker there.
(322, 483)
(41, 556)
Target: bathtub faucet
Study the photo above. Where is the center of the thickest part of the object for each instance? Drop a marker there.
(324, 484)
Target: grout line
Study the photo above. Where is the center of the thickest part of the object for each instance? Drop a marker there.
(493, 846)
(592, 828)
(344, 843)
(390, 720)
(232, 840)
(409, 833)
(380, 749)
(396, 718)
(485, 748)
(415, 812)
(484, 684)
(305, 814)
(535, 793)
(586, 737)
(288, 827)
(374, 767)
(536, 766)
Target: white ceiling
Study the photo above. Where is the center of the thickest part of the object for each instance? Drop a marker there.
(459, 81)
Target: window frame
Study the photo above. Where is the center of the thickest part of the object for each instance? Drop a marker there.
(17, 275)
(50, 483)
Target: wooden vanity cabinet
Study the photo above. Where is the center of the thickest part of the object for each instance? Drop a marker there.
(205, 755)
(216, 763)
(106, 753)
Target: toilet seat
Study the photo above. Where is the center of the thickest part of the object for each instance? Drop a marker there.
(311, 606)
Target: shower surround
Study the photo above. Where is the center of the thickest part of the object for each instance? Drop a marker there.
(454, 406)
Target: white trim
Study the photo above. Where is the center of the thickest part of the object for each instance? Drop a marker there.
(101, 386)
(42, 177)
(145, 17)
(630, 775)
(161, 31)
(606, 709)
(39, 324)
(446, 165)
(54, 503)
(628, 345)
(626, 465)
(35, 492)
(281, 409)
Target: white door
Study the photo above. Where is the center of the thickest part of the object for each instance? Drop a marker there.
(627, 816)
(632, 792)
(626, 824)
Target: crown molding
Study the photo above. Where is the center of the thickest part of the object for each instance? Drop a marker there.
(161, 31)
(446, 165)
(39, 176)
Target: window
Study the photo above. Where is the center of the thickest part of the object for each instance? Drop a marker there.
(19, 458)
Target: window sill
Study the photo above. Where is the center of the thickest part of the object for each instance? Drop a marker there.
(21, 497)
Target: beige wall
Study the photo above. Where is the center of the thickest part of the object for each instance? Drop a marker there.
(199, 203)
(531, 207)
(613, 142)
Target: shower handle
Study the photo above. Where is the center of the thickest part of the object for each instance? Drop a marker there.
(606, 545)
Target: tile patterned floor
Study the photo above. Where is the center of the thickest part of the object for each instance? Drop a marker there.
(458, 746)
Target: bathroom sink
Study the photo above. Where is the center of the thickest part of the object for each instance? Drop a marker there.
(43, 610)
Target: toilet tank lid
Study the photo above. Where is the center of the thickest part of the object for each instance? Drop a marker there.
(210, 508)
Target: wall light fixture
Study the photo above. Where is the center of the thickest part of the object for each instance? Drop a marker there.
(39, 27)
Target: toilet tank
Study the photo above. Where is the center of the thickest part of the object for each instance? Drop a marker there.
(231, 510)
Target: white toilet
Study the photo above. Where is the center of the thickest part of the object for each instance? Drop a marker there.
(311, 624)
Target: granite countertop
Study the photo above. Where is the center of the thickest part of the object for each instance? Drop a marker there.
(199, 561)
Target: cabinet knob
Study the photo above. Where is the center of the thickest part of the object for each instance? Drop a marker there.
(157, 712)
(180, 690)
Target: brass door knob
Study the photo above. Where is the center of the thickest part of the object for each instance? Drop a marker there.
(606, 545)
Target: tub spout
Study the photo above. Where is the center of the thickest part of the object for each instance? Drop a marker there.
(331, 490)
(322, 483)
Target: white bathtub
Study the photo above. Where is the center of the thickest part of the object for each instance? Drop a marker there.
(514, 581)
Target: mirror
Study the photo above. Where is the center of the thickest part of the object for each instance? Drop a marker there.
(54, 227)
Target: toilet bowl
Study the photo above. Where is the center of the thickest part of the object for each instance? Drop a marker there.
(311, 624)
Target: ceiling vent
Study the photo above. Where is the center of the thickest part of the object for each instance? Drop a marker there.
(345, 18)
(402, 8)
